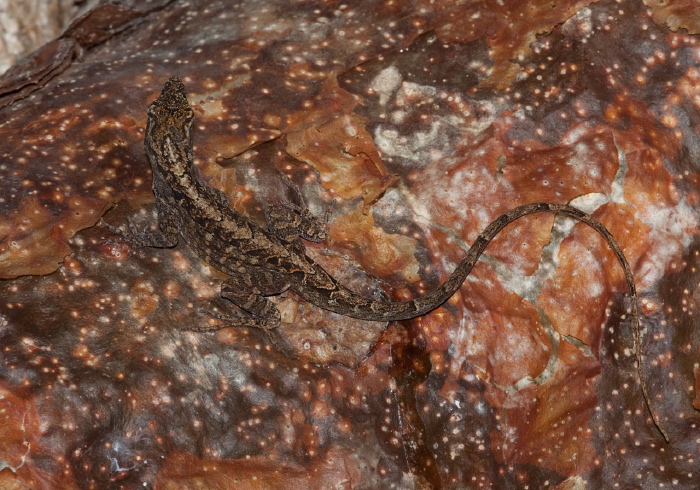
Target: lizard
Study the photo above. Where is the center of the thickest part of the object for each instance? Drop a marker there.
(265, 262)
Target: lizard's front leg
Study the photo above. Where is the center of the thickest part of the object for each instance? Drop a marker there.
(247, 291)
(164, 236)
(289, 221)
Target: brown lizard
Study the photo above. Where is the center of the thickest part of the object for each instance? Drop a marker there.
(264, 262)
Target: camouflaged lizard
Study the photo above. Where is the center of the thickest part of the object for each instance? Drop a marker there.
(264, 262)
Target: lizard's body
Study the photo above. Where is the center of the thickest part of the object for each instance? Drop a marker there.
(267, 262)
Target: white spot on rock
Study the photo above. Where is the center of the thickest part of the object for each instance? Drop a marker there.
(385, 83)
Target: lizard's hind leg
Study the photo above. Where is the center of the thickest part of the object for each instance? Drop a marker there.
(247, 291)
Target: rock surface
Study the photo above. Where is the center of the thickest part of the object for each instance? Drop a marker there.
(422, 121)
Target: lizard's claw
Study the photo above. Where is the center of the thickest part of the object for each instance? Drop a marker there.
(115, 230)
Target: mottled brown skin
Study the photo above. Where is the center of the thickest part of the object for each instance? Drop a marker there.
(268, 262)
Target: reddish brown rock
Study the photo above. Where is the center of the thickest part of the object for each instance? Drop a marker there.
(416, 124)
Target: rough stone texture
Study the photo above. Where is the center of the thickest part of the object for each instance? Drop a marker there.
(28, 24)
(678, 14)
(422, 121)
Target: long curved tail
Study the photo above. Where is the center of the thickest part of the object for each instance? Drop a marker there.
(344, 301)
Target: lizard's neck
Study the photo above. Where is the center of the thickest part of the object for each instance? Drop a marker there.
(185, 184)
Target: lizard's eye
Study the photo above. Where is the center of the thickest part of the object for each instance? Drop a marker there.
(185, 114)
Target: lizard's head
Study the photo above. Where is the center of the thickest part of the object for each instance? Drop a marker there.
(170, 111)
(169, 129)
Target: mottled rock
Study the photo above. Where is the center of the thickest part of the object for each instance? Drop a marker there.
(416, 123)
